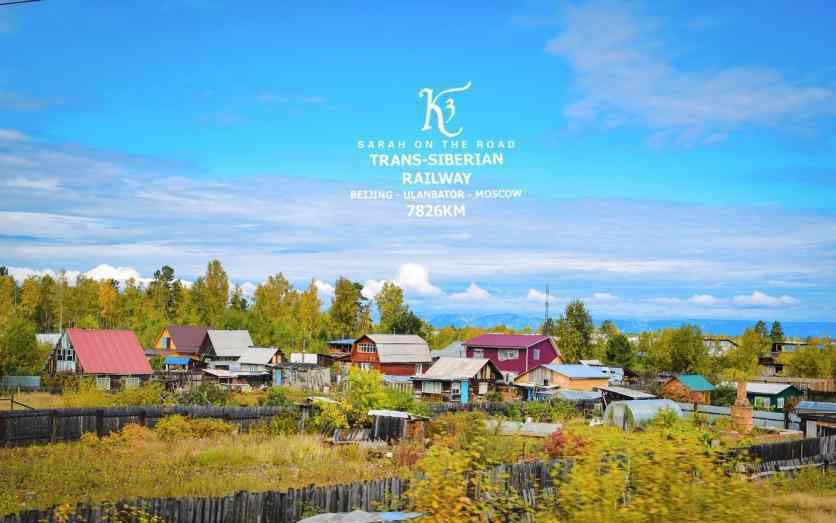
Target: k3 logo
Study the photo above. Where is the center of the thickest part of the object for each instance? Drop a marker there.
(437, 111)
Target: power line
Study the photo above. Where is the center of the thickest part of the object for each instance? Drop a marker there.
(18, 2)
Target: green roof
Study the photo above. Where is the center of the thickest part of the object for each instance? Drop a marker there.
(695, 382)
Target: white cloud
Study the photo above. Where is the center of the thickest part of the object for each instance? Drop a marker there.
(120, 274)
(10, 135)
(623, 75)
(703, 299)
(761, 299)
(472, 293)
(21, 273)
(535, 295)
(248, 289)
(412, 277)
(38, 184)
(324, 289)
(602, 297)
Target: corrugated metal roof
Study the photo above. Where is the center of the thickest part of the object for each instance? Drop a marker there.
(577, 371)
(115, 352)
(401, 348)
(506, 341)
(176, 360)
(448, 369)
(695, 382)
(187, 338)
(630, 393)
(823, 407)
(50, 338)
(342, 341)
(229, 343)
(767, 388)
(257, 355)
(454, 350)
(591, 363)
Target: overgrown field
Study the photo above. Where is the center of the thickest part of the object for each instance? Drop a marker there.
(179, 459)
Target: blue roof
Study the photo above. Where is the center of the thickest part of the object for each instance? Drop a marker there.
(816, 406)
(342, 341)
(577, 371)
(176, 360)
(695, 382)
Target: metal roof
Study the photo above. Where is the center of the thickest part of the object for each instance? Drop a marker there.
(187, 338)
(449, 369)
(176, 360)
(454, 350)
(401, 348)
(630, 393)
(229, 343)
(577, 395)
(822, 407)
(517, 428)
(115, 352)
(577, 371)
(630, 414)
(257, 355)
(506, 341)
(342, 341)
(50, 338)
(223, 373)
(768, 388)
(591, 363)
(695, 382)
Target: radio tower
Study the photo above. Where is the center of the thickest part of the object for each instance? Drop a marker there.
(547, 305)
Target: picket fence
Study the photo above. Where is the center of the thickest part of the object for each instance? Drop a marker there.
(532, 481)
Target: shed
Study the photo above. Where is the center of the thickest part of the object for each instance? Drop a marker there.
(772, 395)
(818, 418)
(566, 376)
(613, 393)
(690, 388)
(629, 415)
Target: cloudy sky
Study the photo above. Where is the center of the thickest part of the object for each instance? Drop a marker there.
(676, 161)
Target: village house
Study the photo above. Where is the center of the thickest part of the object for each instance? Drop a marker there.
(457, 379)
(771, 364)
(513, 354)
(818, 418)
(113, 357)
(772, 395)
(454, 350)
(391, 354)
(691, 388)
(556, 376)
(718, 345)
(179, 346)
(232, 360)
(341, 347)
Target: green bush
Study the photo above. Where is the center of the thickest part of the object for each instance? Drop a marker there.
(206, 394)
(179, 427)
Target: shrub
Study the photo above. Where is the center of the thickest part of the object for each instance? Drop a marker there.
(284, 424)
(179, 427)
(276, 397)
(149, 393)
(86, 395)
(206, 394)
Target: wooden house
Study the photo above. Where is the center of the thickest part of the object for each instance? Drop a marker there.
(457, 379)
(113, 357)
(773, 396)
(691, 388)
(564, 376)
(179, 346)
(513, 354)
(392, 354)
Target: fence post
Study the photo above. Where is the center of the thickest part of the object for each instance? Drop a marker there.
(4, 430)
(53, 425)
(100, 422)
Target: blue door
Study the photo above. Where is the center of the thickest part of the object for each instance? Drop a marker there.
(465, 391)
(277, 376)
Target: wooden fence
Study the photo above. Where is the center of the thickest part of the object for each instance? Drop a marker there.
(51, 425)
(532, 481)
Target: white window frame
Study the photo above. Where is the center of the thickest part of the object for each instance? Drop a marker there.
(431, 387)
(762, 401)
(780, 402)
(483, 388)
(508, 354)
(419, 368)
(536, 354)
(365, 365)
(478, 353)
(367, 348)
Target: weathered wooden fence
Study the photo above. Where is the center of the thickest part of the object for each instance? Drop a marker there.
(531, 480)
(787, 457)
(760, 418)
(51, 425)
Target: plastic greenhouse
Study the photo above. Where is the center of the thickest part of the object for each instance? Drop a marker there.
(629, 415)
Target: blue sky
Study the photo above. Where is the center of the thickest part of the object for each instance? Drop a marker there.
(677, 160)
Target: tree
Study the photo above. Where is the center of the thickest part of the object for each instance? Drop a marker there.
(619, 351)
(688, 352)
(777, 332)
(19, 350)
(608, 328)
(389, 305)
(548, 328)
(406, 322)
(346, 307)
(217, 292)
(569, 342)
(741, 362)
(580, 320)
(760, 328)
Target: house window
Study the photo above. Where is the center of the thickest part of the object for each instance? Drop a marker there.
(431, 387)
(536, 354)
(478, 353)
(166, 342)
(483, 387)
(780, 403)
(762, 401)
(366, 366)
(505, 355)
(455, 387)
(419, 368)
(366, 347)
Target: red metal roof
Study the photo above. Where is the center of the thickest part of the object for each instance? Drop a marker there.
(109, 352)
(506, 341)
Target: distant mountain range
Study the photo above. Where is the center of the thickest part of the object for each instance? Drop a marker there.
(800, 329)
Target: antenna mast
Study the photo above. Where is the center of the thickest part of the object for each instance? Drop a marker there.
(547, 304)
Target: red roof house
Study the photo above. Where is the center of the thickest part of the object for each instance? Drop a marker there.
(99, 352)
(513, 354)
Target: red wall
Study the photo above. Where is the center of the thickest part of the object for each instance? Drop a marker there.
(547, 355)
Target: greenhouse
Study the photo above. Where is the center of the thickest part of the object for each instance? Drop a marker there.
(630, 415)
